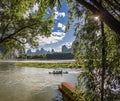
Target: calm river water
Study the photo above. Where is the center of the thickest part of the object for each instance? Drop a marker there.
(32, 84)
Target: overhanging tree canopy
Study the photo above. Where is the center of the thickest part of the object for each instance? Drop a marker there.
(14, 26)
(109, 12)
(21, 21)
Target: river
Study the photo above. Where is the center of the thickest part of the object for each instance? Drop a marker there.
(32, 84)
(38, 61)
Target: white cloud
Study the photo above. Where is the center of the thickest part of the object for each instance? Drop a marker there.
(26, 15)
(35, 7)
(32, 10)
(59, 14)
(68, 44)
(54, 37)
(60, 25)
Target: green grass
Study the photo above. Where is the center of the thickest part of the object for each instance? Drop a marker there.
(47, 65)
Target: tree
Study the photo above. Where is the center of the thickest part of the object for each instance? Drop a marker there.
(108, 12)
(88, 47)
(21, 23)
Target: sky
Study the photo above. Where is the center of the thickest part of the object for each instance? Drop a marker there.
(58, 36)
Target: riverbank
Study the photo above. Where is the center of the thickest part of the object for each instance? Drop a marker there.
(46, 65)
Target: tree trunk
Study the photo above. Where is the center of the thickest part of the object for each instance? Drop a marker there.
(103, 61)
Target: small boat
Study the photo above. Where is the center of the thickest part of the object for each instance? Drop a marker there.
(58, 72)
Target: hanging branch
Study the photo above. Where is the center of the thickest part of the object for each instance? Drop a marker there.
(19, 30)
(112, 5)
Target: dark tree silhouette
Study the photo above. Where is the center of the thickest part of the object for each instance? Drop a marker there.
(109, 12)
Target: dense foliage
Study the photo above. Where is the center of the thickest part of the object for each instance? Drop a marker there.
(97, 48)
(107, 10)
(49, 56)
(88, 50)
(23, 21)
(60, 56)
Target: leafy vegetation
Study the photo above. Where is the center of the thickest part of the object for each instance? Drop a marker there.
(97, 48)
(23, 21)
(88, 50)
(107, 10)
(49, 56)
(47, 65)
(60, 56)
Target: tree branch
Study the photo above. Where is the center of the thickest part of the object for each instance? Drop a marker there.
(113, 5)
(18, 40)
(89, 6)
(97, 4)
(115, 12)
(118, 3)
(19, 30)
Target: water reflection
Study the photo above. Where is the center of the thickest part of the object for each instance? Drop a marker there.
(32, 84)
